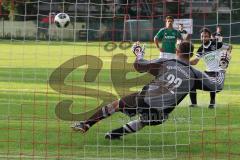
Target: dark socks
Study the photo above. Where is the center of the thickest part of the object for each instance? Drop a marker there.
(212, 96)
(130, 127)
(102, 113)
(193, 97)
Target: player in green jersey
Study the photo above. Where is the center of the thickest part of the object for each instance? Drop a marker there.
(168, 36)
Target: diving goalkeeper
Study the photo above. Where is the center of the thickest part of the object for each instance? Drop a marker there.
(174, 78)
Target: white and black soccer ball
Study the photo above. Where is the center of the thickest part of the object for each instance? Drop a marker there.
(62, 20)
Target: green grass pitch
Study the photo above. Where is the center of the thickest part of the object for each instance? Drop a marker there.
(29, 127)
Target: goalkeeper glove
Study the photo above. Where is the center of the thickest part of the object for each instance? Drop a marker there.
(225, 58)
(138, 50)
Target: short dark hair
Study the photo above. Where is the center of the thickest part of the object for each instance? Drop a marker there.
(169, 17)
(186, 48)
(206, 30)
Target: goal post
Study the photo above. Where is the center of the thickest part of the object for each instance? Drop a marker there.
(137, 30)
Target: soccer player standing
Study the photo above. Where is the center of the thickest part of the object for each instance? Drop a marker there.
(168, 37)
(210, 51)
(183, 32)
(174, 78)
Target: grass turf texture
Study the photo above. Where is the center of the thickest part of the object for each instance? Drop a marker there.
(29, 127)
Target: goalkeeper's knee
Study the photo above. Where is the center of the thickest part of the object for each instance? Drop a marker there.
(110, 108)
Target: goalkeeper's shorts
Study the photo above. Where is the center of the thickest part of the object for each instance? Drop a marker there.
(132, 105)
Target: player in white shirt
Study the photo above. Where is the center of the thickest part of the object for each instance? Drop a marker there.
(212, 53)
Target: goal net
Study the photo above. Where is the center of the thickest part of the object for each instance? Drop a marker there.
(51, 77)
(135, 30)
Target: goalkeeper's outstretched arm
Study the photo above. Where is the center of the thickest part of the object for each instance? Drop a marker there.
(152, 66)
(141, 65)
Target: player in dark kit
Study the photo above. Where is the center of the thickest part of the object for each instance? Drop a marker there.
(211, 52)
(183, 32)
(174, 78)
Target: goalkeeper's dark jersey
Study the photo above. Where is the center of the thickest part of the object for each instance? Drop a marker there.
(174, 79)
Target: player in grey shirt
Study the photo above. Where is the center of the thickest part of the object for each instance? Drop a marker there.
(174, 79)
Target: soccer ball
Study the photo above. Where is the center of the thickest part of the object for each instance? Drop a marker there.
(62, 20)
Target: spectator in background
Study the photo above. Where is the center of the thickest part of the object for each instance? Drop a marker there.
(43, 26)
(218, 34)
(168, 36)
(183, 31)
